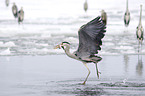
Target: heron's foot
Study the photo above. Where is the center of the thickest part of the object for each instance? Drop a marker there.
(83, 83)
(98, 74)
(97, 71)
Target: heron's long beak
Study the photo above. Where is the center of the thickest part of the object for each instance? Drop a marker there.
(57, 46)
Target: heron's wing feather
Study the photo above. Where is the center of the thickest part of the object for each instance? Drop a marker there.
(90, 36)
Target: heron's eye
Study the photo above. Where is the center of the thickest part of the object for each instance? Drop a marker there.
(64, 47)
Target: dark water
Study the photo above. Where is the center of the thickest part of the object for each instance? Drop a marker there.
(53, 75)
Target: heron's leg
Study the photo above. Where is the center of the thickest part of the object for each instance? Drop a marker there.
(87, 75)
(138, 46)
(97, 71)
(141, 45)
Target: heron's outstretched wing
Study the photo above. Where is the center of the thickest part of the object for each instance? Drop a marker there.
(90, 36)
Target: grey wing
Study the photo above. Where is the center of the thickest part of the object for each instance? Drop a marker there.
(90, 36)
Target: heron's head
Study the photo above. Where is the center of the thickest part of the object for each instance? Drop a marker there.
(102, 11)
(21, 8)
(63, 45)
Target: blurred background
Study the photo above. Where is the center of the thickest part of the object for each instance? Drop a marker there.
(49, 22)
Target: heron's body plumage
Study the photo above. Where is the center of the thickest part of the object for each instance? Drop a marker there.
(7, 2)
(20, 16)
(127, 15)
(140, 30)
(86, 6)
(127, 18)
(15, 10)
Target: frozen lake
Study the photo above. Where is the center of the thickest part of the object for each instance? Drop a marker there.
(44, 75)
(29, 66)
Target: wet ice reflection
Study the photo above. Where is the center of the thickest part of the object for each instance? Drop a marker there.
(139, 66)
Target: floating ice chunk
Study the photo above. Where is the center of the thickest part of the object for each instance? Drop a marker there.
(124, 47)
(107, 53)
(109, 44)
(6, 52)
(128, 52)
(71, 39)
(34, 51)
(143, 50)
(46, 35)
(124, 81)
(44, 50)
(10, 44)
(39, 50)
(1, 43)
(7, 44)
(44, 45)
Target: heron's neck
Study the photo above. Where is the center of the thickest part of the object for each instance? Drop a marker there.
(127, 5)
(140, 14)
(69, 54)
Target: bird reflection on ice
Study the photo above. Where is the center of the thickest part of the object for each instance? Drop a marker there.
(126, 61)
(139, 66)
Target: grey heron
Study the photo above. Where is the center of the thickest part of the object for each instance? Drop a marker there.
(140, 30)
(20, 15)
(86, 6)
(15, 10)
(7, 2)
(90, 36)
(127, 15)
(104, 16)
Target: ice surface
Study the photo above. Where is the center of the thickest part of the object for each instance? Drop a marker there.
(58, 75)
